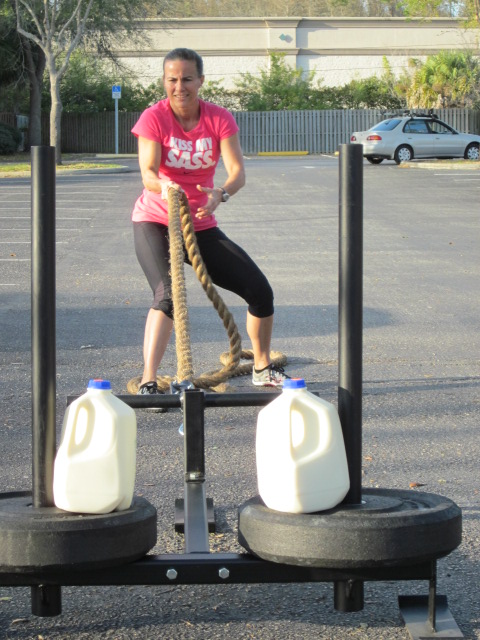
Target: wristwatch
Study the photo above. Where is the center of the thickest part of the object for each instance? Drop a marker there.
(225, 195)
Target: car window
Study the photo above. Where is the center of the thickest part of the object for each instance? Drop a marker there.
(440, 127)
(386, 125)
(416, 126)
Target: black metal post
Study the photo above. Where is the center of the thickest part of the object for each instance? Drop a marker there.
(432, 598)
(195, 502)
(46, 600)
(349, 594)
(350, 318)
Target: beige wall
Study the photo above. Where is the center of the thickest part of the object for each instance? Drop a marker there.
(337, 49)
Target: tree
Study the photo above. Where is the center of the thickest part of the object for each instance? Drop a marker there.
(385, 92)
(86, 87)
(278, 88)
(467, 10)
(10, 61)
(213, 91)
(58, 27)
(21, 63)
(448, 79)
(370, 93)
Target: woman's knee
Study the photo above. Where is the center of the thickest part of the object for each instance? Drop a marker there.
(165, 305)
(261, 304)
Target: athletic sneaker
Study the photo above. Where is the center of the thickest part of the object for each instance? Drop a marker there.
(151, 388)
(271, 376)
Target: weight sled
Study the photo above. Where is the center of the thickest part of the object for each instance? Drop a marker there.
(49, 538)
(389, 528)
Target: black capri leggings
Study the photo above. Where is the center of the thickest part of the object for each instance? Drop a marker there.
(228, 265)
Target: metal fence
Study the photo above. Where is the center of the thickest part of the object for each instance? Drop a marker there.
(323, 131)
(270, 131)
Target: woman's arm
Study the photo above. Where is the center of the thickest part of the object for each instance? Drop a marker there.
(233, 160)
(149, 157)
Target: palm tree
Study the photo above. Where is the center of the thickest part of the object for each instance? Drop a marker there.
(448, 79)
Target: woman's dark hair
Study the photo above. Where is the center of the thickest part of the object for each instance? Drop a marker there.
(185, 54)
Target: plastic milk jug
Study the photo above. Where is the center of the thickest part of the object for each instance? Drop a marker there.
(301, 459)
(94, 468)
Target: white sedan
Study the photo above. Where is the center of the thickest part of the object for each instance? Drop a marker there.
(404, 138)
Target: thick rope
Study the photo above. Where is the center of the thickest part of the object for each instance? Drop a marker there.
(179, 290)
(179, 217)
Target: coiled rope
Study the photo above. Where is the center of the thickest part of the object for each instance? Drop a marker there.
(179, 217)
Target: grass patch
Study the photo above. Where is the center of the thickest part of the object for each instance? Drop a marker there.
(25, 156)
(11, 168)
(19, 164)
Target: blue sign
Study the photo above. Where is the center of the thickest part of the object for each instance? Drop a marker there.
(116, 92)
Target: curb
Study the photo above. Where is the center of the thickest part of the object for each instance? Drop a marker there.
(283, 153)
(70, 172)
(466, 165)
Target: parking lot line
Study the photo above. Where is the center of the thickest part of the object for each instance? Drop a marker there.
(27, 242)
(29, 217)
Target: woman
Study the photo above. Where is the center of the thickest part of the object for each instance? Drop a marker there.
(180, 140)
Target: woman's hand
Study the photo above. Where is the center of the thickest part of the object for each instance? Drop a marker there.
(169, 184)
(214, 198)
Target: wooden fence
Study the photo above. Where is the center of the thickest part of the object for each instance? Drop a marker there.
(9, 118)
(311, 131)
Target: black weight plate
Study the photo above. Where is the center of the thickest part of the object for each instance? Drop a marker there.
(49, 538)
(389, 528)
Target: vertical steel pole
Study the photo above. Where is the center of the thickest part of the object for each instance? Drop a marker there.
(195, 502)
(350, 312)
(116, 127)
(46, 600)
(349, 594)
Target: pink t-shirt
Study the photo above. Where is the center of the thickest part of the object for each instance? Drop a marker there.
(188, 158)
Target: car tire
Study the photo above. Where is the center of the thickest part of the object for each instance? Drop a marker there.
(404, 153)
(374, 160)
(472, 152)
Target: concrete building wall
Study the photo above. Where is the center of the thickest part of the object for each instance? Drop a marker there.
(337, 49)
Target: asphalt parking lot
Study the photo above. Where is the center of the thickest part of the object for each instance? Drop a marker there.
(421, 378)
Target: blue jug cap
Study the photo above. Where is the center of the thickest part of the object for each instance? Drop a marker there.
(99, 384)
(294, 383)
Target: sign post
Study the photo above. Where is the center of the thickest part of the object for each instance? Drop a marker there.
(116, 95)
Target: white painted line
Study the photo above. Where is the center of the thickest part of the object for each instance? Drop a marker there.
(14, 259)
(68, 201)
(27, 187)
(4, 284)
(28, 242)
(28, 218)
(28, 229)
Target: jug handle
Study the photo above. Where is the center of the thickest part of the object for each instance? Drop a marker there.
(71, 435)
(295, 450)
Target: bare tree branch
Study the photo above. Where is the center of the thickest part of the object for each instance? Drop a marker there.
(33, 16)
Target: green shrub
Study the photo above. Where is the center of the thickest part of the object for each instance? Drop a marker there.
(10, 139)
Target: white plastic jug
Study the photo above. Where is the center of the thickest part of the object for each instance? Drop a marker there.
(301, 460)
(95, 464)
